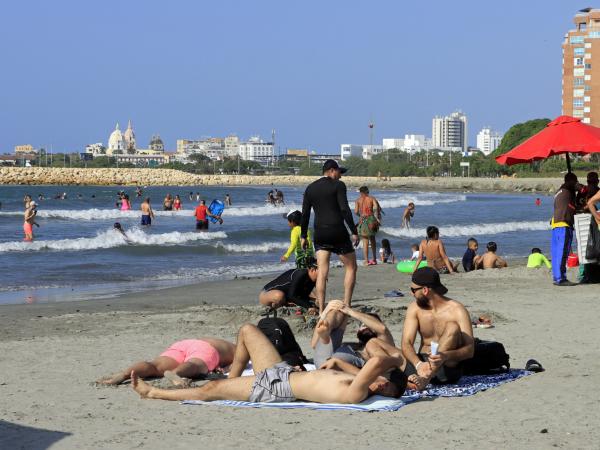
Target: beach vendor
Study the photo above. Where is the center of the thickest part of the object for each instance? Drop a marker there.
(302, 255)
(181, 362)
(562, 222)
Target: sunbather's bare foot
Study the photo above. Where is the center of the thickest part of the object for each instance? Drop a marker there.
(418, 382)
(140, 386)
(112, 380)
(323, 331)
(176, 379)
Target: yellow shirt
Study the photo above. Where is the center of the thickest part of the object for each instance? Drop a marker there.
(536, 260)
(295, 241)
(558, 224)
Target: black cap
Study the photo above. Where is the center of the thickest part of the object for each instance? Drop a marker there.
(332, 164)
(428, 277)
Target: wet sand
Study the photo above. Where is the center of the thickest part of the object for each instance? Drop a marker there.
(51, 353)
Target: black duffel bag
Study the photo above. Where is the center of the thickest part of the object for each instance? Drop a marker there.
(489, 358)
(592, 249)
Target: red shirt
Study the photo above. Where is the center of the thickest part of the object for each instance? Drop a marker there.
(201, 211)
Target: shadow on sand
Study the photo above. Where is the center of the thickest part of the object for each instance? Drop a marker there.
(16, 436)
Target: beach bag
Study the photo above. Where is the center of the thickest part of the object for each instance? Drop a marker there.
(592, 250)
(281, 336)
(490, 357)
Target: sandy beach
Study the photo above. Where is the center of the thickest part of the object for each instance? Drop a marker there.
(51, 353)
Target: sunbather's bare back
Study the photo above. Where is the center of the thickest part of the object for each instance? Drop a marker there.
(490, 260)
(431, 250)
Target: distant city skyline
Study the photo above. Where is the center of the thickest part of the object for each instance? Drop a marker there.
(317, 73)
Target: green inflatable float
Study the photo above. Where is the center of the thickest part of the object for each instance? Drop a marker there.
(407, 266)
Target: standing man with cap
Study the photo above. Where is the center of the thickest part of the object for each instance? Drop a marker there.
(327, 196)
(303, 255)
(439, 320)
(562, 229)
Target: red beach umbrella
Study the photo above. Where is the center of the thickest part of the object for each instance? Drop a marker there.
(563, 135)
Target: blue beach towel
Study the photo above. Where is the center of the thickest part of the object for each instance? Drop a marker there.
(467, 386)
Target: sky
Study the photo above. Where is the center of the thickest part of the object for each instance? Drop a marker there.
(314, 71)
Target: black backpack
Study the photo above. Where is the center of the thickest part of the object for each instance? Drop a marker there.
(280, 334)
(489, 358)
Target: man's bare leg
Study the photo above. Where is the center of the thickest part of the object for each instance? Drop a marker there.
(365, 246)
(373, 247)
(183, 374)
(377, 347)
(323, 257)
(144, 369)
(229, 389)
(274, 298)
(450, 339)
(253, 345)
(349, 261)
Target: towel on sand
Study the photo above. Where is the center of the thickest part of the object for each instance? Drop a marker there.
(468, 385)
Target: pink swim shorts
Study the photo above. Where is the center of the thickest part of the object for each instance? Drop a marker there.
(27, 228)
(183, 351)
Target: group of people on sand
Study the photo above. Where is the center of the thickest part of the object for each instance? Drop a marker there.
(345, 373)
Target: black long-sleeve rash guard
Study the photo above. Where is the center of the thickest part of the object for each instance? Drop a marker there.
(328, 198)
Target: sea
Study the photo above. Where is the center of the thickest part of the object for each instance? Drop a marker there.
(78, 255)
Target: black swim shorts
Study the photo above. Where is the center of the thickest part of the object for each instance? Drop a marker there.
(333, 240)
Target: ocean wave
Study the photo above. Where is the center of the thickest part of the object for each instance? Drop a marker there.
(263, 247)
(470, 230)
(259, 210)
(222, 272)
(97, 214)
(111, 239)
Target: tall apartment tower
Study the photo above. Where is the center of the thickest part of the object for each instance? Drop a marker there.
(580, 85)
(450, 132)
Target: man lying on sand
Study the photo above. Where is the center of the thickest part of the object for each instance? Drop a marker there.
(181, 362)
(329, 333)
(275, 381)
(438, 319)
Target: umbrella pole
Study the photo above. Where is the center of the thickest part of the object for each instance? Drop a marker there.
(568, 162)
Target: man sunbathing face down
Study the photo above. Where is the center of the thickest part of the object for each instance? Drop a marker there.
(437, 319)
(275, 380)
(181, 362)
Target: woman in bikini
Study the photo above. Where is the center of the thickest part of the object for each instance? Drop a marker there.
(369, 212)
(434, 251)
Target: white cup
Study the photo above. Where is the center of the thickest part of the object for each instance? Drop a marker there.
(434, 348)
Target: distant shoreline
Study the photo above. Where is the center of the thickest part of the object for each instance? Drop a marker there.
(171, 177)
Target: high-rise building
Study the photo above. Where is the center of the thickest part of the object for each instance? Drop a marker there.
(450, 132)
(488, 140)
(580, 87)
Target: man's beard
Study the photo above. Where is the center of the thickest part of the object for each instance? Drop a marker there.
(365, 335)
(423, 302)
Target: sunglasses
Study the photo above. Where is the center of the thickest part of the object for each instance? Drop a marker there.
(413, 290)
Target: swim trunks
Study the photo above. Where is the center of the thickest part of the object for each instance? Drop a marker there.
(183, 351)
(146, 219)
(333, 239)
(201, 224)
(273, 385)
(27, 228)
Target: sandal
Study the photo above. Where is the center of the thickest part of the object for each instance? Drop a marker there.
(533, 366)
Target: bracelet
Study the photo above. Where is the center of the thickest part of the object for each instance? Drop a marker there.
(418, 364)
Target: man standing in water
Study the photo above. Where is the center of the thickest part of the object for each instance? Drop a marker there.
(327, 196)
(147, 213)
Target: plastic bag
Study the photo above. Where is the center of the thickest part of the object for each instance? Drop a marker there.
(592, 250)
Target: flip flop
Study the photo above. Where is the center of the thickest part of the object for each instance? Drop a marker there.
(393, 293)
(533, 366)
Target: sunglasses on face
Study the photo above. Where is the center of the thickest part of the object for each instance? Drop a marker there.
(413, 290)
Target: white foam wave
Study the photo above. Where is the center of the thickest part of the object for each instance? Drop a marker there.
(222, 272)
(264, 247)
(401, 202)
(262, 210)
(110, 239)
(97, 214)
(470, 230)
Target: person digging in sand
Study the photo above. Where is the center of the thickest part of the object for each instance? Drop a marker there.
(181, 362)
(438, 319)
(276, 381)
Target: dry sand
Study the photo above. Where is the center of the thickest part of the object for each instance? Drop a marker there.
(50, 354)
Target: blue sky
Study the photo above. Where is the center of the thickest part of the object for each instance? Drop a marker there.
(315, 71)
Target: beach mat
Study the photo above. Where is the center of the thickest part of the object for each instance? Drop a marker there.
(468, 385)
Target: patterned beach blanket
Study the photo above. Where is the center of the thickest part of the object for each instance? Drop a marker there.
(467, 386)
